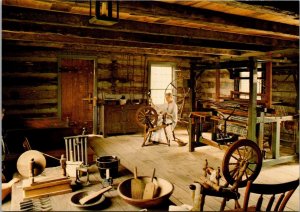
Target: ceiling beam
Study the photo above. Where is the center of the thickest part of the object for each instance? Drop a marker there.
(292, 54)
(60, 41)
(243, 8)
(106, 33)
(60, 18)
(290, 8)
(127, 33)
(192, 17)
(199, 66)
(97, 49)
(204, 18)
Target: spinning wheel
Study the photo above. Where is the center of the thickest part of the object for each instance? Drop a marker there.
(146, 115)
(242, 162)
(180, 93)
(23, 163)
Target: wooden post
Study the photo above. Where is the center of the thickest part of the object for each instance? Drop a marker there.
(296, 82)
(252, 100)
(276, 140)
(268, 95)
(218, 84)
(261, 131)
(192, 106)
(95, 97)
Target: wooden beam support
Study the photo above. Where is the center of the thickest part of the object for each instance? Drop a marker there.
(82, 21)
(243, 8)
(252, 115)
(106, 33)
(192, 103)
(267, 56)
(200, 18)
(268, 84)
(52, 40)
(218, 83)
(276, 140)
(205, 18)
(297, 111)
(221, 65)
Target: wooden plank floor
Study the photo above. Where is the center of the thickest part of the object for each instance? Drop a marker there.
(181, 167)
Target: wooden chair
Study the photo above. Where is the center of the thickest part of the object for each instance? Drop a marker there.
(77, 148)
(278, 194)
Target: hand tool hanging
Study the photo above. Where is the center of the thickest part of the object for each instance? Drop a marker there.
(144, 67)
(133, 88)
(141, 67)
(130, 74)
(128, 80)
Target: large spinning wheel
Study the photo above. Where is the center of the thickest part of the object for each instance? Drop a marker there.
(242, 162)
(146, 116)
(179, 92)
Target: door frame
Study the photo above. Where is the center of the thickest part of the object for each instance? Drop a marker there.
(95, 84)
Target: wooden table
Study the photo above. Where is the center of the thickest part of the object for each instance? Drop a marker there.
(197, 119)
(113, 201)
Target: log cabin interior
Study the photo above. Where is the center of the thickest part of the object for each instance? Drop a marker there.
(96, 69)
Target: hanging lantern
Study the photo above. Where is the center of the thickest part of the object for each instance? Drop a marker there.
(104, 14)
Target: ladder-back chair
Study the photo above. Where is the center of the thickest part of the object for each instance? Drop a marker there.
(278, 195)
(77, 148)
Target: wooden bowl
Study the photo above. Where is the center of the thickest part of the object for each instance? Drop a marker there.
(162, 194)
(74, 200)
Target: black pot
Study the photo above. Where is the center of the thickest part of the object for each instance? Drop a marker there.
(108, 163)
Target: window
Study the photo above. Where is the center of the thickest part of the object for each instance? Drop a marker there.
(161, 75)
(244, 84)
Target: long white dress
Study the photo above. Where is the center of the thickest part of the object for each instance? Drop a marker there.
(170, 108)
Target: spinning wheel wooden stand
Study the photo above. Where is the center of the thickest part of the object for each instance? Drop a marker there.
(181, 93)
(242, 156)
(242, 162)
(147, 117)
(30, 165)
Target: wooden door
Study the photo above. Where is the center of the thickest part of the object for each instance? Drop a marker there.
(77, 83)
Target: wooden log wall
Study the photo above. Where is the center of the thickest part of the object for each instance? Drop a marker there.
(206, 84)
(29, 86)
(283, 88)
(127, 75)
(123, 74)
(30, 79)
(284, 91)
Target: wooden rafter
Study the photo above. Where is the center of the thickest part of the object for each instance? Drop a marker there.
(59, 18)
(195, 28)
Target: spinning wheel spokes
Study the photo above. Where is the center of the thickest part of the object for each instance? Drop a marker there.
(146, 115)
(242, 153)
(180, 94)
